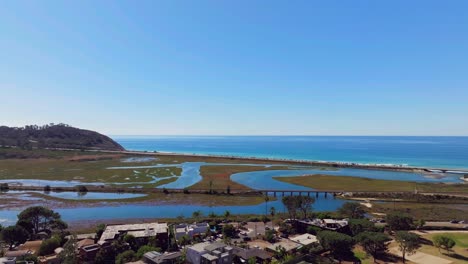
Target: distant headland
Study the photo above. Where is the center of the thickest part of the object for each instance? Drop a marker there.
(55, 136)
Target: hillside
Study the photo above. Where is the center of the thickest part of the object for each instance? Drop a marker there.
(55, 136)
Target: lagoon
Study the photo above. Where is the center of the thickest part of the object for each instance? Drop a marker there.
(135, 211)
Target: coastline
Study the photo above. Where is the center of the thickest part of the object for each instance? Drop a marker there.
(336, 164)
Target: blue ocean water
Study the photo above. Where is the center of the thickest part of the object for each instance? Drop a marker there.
(442, 152)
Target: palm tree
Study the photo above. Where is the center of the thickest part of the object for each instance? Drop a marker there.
(227, 214)
(266, 204)
(196, 214)
(272, 211)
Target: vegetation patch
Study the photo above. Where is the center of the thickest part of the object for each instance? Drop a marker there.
(360, 184)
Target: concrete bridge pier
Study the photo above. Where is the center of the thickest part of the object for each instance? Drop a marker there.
(326, 194)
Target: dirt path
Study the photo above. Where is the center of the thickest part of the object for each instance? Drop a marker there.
(421, 258)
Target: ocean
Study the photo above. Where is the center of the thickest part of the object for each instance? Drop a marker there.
(440, 152)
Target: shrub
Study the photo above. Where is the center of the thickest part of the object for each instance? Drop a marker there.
(48, 246)
(4, 187)
(443, 241)
(81, 189)
(144, 249)
(124, 257)
(399, 221)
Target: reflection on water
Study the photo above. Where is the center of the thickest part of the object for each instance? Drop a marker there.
(127, 211)
(23, 195)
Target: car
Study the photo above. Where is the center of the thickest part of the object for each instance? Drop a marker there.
(454, 222)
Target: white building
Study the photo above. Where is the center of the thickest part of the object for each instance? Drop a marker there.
(304, 239)
(210, 253)
(139, 231)
(191, 230)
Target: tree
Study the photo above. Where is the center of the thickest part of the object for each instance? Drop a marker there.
(131, 240)
(229, 231)
(212, 215)
(360, 225)
(290, 202)
(99, 230)
(272, 211)
(270, 236)
(184, 240)
(443, 241)
(40, 218)
(286, 229)
(339, 244)
(14, 235)
(68, 255)
(399, 221)
(81, 189)
(49, 245)
(407, 242)
(352, 210)
(420, 223)
(227, 214)
(124, 257)
(197, 214)
(252, 260)
(108, 254)
(267, 199)
(374, 243)
(305, 204)
(145, 249)
(313, 230)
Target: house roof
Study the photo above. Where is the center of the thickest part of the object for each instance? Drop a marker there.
(209, 257)
(137, 230)
(31, 245)
(157, 257)
(214, 246)
(304, 239)
(85, 242)
(17, 253)
(251, 253)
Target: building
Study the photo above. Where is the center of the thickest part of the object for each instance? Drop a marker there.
(288, 245)
(140, 231)
(155, 257)
(17, 253)
(8, 260)
(333, 224)
(304, 239)
(328, 224)
(191, 230)
(88, 252)
(210, 253)
(243, 255)
(31, 246)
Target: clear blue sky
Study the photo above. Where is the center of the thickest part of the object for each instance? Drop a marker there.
(237, 67)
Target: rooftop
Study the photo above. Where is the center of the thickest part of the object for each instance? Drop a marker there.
(286, 244)
(304, 239)
(209, 257)
(251, 252)
(137, 230)
(157, 257)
